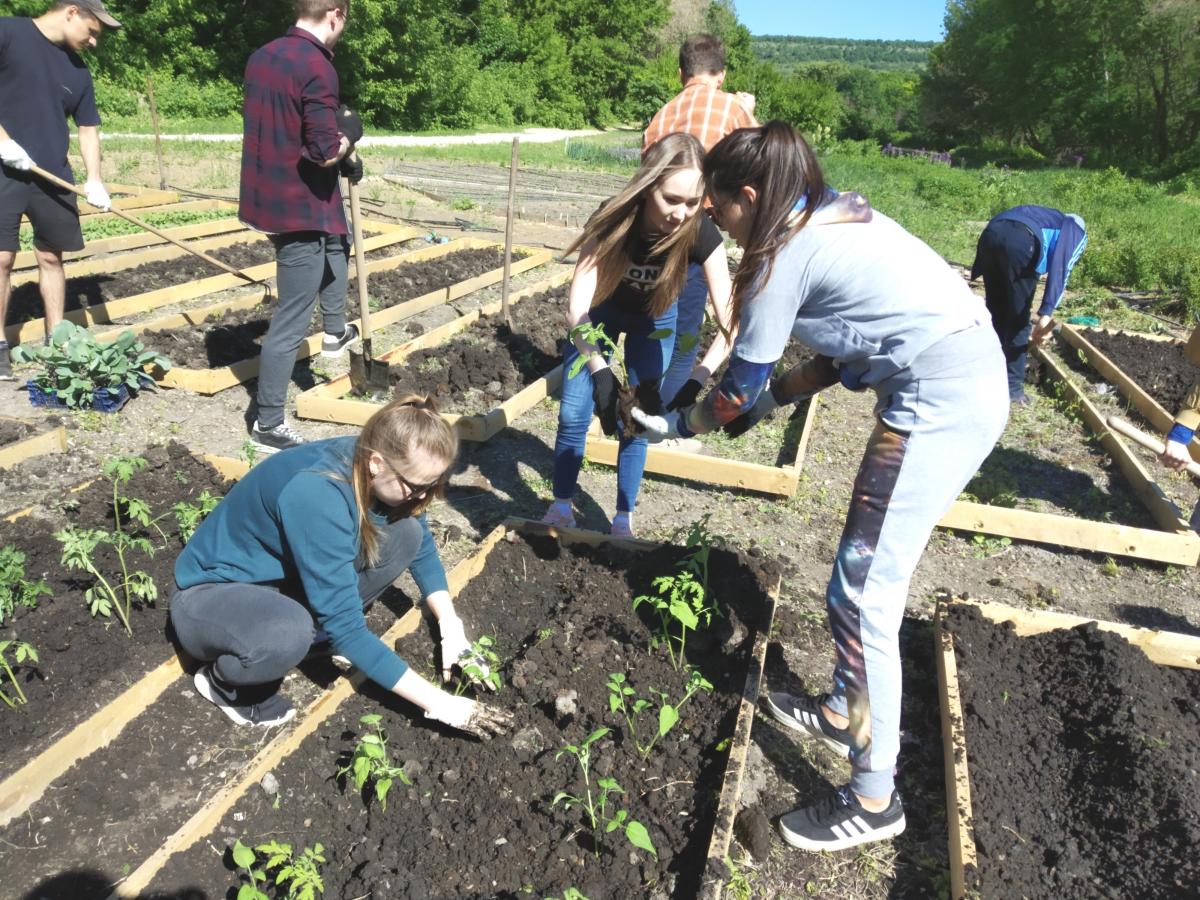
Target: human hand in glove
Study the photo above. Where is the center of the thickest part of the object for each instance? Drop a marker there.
(351, 167)
(349, 124)
(604, 394)
(687, 395)
(658, 428)
(456, 651)
(96, 195)
(470, 716)
(14, 156)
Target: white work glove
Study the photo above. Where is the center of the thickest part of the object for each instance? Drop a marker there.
(470, 716)
(97, 195)
(14, 156)
(456, 651)
(658, 428)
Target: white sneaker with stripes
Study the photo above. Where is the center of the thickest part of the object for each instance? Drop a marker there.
(839, 821)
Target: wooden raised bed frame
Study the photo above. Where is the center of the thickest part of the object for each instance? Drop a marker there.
(1162, 647)
(114, 310)
(22, 789)
(51, 441)
(330, 403)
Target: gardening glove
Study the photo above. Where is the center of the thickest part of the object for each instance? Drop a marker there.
(470, 716)
(96, 195)
(14, 156)
(351, 167)
(687, 395)
(349, 124)
(658, 428)
(456, 651)
(604, 394)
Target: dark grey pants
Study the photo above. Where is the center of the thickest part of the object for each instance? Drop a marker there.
(308, 265)
(256, 633)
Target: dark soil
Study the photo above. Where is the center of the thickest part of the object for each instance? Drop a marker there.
(1083, 757)
(488, 363)
(236, 335)
(1158, 367)
(13, 430)
(84, 661)
(479, 820)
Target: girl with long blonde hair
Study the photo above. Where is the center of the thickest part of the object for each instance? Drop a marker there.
(287, 564)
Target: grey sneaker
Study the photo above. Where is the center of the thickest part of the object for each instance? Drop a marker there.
(333, 345)
(270, 440)
(275, 710)
(6, 373)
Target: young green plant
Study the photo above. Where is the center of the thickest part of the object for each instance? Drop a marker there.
(300, 875)
(623, 698)
(370, 763)
(681, 600)
(190, 515)
(594, 335)
(22, 652)
(481, 664)
(15, 589)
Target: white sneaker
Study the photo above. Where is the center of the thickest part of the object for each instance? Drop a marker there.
(681, 444)
(556, 517)
(275, 710)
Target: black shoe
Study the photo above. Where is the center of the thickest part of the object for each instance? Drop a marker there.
(6, 373)
(840, 821)
(274, 710)
(804, 714)
(269, 440)
(333, 345)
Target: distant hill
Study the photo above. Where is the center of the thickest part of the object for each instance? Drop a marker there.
(788, 52)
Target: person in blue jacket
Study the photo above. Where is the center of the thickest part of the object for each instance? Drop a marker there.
(1016, 247)
(289, 560)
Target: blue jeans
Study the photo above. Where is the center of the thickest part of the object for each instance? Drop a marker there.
(691, 317)
(645, 360)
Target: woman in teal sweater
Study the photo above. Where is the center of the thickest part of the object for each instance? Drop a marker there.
(298, 550)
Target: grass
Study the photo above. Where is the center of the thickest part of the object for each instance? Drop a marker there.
(114, 227)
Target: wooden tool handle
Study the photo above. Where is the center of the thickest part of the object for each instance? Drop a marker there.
(360, 258)
(1120, 426)
(75, 189)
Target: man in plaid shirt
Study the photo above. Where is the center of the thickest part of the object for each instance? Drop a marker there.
(296, 140)
(707, 113)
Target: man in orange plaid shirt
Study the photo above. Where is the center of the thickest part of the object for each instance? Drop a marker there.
(707, 113)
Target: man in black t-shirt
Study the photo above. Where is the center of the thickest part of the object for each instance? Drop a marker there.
(43, 81)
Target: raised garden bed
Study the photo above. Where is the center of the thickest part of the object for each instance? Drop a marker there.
(218, 347)
(523, 366)
(21, 439)
(1072, 751)
(102, 298)
(562, 634)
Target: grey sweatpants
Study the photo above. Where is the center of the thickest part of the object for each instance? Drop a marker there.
(937, 422)
(256, 633)
(308, 265)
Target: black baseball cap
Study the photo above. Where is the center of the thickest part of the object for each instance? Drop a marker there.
(96, 8)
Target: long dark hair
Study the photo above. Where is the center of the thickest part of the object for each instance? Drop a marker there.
(778, 163)
(614, 226)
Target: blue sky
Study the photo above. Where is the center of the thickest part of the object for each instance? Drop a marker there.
(918, 20)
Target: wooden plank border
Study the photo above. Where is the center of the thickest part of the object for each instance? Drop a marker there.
(1165, 648)
(1149, 408)
(330, 402)
(781, 480)
(114, 310)
(26, 259)
(141, 199)
(52, 441)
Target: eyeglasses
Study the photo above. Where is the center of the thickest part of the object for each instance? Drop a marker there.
(416, 490)
(716, 211)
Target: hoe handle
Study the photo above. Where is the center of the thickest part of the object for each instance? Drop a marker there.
(360, 259)
(1150, 443)
(75, 189)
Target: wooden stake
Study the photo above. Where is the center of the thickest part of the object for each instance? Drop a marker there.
(508, 231)
(162, 168)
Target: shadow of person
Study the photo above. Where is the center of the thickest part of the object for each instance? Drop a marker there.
(92, 884)
(1153, 617)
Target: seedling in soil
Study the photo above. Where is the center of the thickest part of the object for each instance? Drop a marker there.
(681, 599)
(15, 589)
(370, 762)
(481, 664)
(79, 546)
(570, 893)
(300, 875)
(249, 452)
(700, 541)
(597, 811)
(22, 652)
(189, 516)
(623, 699)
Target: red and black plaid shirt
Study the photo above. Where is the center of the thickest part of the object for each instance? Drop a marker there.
(290, 116)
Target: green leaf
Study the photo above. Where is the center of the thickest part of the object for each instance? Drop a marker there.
(659, 334)
(243, 856)
(639, 837)
(596, 735)
(667, 717)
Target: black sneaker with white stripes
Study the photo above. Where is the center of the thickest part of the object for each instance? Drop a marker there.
(270, 440)
(839, 821)
(803, 714)
(332, 345)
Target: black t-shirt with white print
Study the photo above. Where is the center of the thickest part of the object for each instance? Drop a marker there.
(636, 286)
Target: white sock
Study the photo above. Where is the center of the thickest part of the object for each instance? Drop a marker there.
(561, 507)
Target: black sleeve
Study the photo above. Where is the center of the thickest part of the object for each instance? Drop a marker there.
(708, 240)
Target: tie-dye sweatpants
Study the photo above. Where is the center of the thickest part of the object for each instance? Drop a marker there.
(937, 421)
